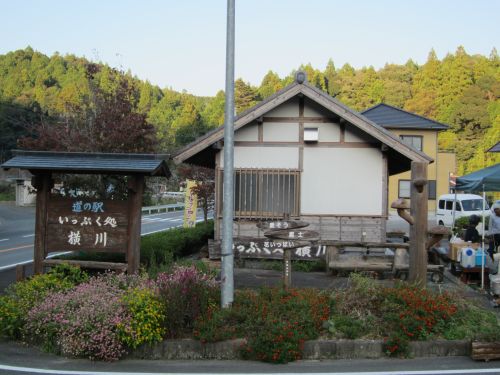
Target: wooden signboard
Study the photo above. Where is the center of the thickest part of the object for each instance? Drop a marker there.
(84, 224)
(282, 224)
(294, 234)
(290, 234)
(259, 248)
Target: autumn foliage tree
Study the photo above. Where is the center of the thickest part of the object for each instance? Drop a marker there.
(105, 122)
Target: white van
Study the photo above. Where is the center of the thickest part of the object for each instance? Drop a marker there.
(466, 205)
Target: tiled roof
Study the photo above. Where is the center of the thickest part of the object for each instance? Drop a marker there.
(395, 118)
(76, 162)
(495, 148)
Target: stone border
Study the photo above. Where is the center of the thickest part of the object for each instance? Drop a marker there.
(316, 349)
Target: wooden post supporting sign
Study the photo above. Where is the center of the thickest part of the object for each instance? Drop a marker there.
(289, 230)
(135, 190)
(42, 183)
(418, 231)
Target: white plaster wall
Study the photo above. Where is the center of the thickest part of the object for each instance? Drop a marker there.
(247, 133)
(342, 181)
(328, 132)
(280, 132)
(288, 109)
(313, 109)
(353, 134)
(264, 157)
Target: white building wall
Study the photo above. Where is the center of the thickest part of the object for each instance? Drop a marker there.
(313, 109)
(342, 181)
(288, 109)
(328, 132)
(280, 132)
(248, 133)
(264, 157)
(353, 134)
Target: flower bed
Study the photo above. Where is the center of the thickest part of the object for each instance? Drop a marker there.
(403, 313)
(106, 316)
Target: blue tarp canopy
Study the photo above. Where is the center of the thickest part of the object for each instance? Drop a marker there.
(487, 179)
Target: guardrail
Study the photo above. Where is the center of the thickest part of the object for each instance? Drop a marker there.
(163, 208)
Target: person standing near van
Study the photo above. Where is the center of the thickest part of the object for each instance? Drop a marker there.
(494, 228)
(471, 233)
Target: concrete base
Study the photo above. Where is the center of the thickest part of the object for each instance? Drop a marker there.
(186, 349)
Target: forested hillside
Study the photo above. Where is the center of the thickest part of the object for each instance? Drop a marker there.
(460, 90)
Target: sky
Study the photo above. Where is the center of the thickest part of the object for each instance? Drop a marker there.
(181, 43)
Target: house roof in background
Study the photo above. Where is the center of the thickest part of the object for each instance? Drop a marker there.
(495, 148)
(391, 117)
(89, 163)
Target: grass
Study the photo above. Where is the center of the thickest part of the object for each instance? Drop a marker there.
(7, 192)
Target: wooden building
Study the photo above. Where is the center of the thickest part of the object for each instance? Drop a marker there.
(303, 153)
(422, 134)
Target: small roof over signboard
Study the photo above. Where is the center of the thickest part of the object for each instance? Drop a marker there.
(89, 163)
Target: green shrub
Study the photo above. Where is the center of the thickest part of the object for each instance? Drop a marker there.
(218, 324)
(275, 322)
(347, 326)
(22, 296)
(277, 341)
(147, 316)
(187, 294)
(7, 192)
(472, 322)
(163, 248)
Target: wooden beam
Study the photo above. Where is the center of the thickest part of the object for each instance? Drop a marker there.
(367, 245)
(385, 193)
(356, 265)
(43, 184)
(418, 231)
(135, 191)
(321, 120)
(301, 134)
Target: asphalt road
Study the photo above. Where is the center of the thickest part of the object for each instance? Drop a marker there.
(17, 231)
(19, 359)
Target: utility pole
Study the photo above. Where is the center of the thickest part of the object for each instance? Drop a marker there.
(227, 277)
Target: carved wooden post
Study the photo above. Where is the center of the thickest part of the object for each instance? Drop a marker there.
(418, 231)
(135, 190)
(42, 184)
(287, 268)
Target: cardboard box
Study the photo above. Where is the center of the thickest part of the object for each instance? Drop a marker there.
(456, 247)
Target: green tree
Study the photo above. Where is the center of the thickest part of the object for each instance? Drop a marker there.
(331, 79)
(213, 113)
(270, 84)
(245, 96)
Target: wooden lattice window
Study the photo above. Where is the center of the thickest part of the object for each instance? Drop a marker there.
(263, 193)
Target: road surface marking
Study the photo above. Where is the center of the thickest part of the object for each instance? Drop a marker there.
(29, 235)
(31, 261)
(16, 248)
(4, 239)
(70, 372)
